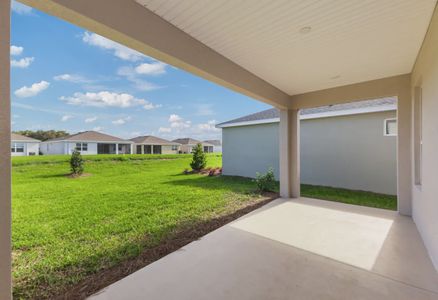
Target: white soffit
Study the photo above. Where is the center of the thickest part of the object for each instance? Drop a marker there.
(350, 41)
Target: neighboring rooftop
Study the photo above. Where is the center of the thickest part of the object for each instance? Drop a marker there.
(92, 136)
(22, 138)
(389, 103)
(187, 141)
(152, 140)
(214, 142)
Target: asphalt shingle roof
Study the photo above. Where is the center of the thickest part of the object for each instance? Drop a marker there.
(152, 140)
(93, 136)
(22, 138)
(274, 113)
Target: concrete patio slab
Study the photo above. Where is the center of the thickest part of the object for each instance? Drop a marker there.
(294, 249)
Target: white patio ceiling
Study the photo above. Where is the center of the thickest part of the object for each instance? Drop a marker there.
(349, 41)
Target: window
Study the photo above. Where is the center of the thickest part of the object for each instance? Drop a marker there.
(157, 149)
(81, 147)
(418, 134)
(17, 148)
(390, 127)
(174, 147)
(147, 149)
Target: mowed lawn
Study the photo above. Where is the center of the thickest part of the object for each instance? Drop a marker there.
(65, 229)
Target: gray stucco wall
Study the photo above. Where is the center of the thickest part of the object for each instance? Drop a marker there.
(345, 151)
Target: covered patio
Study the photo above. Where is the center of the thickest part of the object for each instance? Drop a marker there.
(294, 249)
(292, 55)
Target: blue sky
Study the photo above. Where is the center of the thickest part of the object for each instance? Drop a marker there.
(66, 78)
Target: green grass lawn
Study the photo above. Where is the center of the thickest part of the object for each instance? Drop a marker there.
(65, 230)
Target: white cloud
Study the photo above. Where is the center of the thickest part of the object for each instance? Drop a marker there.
(22, 63)
(175, 118)
(71, 78)
(164, 130)
(118, 50)
(139, 83)
(33, 90)
(66, 118)
(155, 68)
(208, 127)
(121, 121)
(16, 50)
(98, 128)
(178, 123)
(21, 9)
(90, 120)
(108, 99)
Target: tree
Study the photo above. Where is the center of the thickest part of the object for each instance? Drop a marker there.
(76, 163)
(199, 160)
(43, 135)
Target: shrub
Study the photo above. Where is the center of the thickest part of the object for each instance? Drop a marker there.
(199, 160)
(76, 163)
(265, 182)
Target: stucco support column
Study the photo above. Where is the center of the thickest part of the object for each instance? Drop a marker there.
(5, 153)
(117, 148)
(404, 151)
(289, 136)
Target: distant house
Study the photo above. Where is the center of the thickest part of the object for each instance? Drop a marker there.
(187, 145)
(154, 145)
(87, 142)
(351, 145)
(23, 146)
(217, 145)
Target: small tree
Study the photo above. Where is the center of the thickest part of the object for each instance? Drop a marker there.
(199, 160)
(76, 163)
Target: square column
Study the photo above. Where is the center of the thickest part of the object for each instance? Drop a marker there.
(289, 137)
(404, 152)
(117, 148)
(5, 153)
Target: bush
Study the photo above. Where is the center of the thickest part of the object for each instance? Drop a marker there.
(265, 182)
(76, 163)
(199, 160)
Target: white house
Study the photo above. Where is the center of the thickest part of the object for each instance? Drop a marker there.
(187, 145)
(154, 145)
(87, 142)
(24, 146)
(217, 145)
(350, 146)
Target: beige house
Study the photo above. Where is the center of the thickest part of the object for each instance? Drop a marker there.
(293, 55)
(154, 145)
(187, 145)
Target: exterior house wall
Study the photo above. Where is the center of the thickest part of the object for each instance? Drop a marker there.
(29, 148)
(250, 149)
(91, 148)
(345, 151)
(217, 149)
(62, 147)
(424, 195)
(50, 148)
(165, 149)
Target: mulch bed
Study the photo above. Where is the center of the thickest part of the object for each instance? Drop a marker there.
(105, 277)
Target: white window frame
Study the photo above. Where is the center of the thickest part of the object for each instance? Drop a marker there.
(83, 147)
(385, 127)
(14, 147)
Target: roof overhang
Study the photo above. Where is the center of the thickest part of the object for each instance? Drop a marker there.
(328, 114)
(262, 49)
